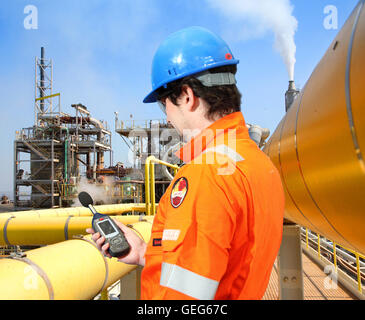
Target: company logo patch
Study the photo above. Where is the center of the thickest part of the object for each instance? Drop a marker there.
(157, 242)
(179, 191)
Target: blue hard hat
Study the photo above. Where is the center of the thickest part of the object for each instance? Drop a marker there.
(187, 52)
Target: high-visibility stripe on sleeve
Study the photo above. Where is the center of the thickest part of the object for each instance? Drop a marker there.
(229, 152)
(187, 282)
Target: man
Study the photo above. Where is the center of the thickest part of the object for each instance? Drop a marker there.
(218, 227)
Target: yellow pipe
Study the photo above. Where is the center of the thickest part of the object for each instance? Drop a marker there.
(150, 182)
(319, 146)
(111, 209)
(104, 295)
(24, 230)
(334, 255)
(152, 188)
(73, 269)
(47, 97)
(306, 237)
(358, 273)
(147, 186)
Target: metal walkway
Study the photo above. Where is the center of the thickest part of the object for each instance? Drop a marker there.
(314, 280)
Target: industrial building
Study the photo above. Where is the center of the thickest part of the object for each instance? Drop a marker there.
(55, 146)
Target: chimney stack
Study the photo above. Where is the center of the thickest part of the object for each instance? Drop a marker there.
(290, 95)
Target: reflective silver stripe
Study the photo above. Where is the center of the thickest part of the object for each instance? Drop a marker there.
(216, 79)
(187, 282)
(223, 149)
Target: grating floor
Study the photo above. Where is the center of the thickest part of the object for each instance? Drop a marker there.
(317, 286)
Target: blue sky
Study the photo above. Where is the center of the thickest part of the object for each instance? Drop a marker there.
(102, 52)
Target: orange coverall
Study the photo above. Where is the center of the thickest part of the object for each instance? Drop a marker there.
(218, 227)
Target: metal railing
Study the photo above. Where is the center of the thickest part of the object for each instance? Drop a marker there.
(150, 194)
(315, 239)
(138, 124)
(127, 191)
(8, 250)
(68, 189)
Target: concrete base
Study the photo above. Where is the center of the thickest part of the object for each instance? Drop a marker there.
(290, 268)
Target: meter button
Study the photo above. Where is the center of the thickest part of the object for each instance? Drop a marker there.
(116, 241)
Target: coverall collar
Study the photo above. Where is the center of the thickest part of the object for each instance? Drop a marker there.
(198, 144)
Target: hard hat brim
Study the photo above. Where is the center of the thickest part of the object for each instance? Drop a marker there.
(152, 96)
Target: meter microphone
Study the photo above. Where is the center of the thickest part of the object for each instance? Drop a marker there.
(102, 223)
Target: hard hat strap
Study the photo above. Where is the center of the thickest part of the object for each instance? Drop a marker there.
(216, 79)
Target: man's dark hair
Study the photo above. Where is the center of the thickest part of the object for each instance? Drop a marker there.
(222, 100)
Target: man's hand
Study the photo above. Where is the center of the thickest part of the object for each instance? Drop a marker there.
(138, 246)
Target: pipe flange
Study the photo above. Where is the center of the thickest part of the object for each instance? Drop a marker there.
(65, 230)
(5, 230)
(21, 256)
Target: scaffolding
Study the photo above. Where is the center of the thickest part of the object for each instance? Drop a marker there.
(55, 147)
(146, 138)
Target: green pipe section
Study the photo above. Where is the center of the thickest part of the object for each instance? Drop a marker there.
(66, 157)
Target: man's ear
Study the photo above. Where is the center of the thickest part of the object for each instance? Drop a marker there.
(189, 98)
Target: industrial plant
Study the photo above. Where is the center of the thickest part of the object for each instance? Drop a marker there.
(52, 156)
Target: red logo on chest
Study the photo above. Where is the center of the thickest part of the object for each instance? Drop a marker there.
(178, 192)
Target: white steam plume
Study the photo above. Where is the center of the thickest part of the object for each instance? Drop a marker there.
(265, 15)
(97, 192)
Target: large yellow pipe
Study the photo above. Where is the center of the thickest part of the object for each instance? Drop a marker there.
(33, 231)
(319, 145)
(73, 269)
(111, 209)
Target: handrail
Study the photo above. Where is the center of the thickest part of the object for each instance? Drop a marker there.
(357, 256)
(138, 124)
(47, 97)
(150, 182)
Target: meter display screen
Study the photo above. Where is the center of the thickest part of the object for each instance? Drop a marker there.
(107, 227)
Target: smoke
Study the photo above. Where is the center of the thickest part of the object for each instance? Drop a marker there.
(264, 16)
(99, 192)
